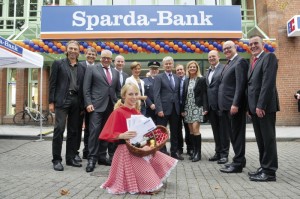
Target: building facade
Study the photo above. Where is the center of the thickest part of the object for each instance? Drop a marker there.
(20, 22)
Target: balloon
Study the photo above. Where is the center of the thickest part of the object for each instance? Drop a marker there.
(166, 47)
(31, 44)
(50, 44)
(36, 47)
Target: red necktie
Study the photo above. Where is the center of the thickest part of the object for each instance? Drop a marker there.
(254, 61)
(108, 75)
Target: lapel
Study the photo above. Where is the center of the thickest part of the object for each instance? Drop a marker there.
(168, 81)
(218, 70)
(102, 73)
(66, 65)
(228, 66)
(250, 72)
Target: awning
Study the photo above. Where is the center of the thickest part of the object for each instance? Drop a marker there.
(14, 56)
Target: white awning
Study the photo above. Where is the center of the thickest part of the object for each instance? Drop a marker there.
(14, 56)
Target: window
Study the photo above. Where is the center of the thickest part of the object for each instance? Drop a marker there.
(33, 88)
(33, 8)
(19, 7)
(121, 2)
(1, 8)
(11, 91)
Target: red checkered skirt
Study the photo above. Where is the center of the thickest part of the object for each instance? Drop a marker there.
(131, 174)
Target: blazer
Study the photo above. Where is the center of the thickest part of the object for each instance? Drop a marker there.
(125, 76)
(262, 91)
(213, 87)
(200, 94)
(132, 80)
(59, 82)
(96, 89)
(148, 86)
(232, 88)
(164, 95)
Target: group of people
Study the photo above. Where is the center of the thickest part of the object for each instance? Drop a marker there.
(103, 97)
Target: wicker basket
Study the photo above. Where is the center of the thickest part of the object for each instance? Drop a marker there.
(161, 135)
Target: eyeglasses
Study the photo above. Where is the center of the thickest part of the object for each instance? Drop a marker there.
(106, 58)
(227, 48)
(253, 44)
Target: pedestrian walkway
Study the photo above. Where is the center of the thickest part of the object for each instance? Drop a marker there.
(26, 172)
(283, 133)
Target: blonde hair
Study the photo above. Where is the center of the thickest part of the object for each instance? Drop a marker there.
(135, 64)
(198, 68)
(124, 90)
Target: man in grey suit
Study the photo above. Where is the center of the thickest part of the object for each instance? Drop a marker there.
(213, 80)
(119, 65)
(263, 103)
(101, 91)
(166, 99)
(232, 105)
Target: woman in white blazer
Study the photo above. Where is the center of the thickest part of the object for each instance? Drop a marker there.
(135, 79)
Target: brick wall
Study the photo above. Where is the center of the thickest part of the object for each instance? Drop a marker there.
(272, 17)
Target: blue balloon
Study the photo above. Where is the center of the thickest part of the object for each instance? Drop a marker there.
(198, 44)
(103, 45)
(50, 44)
(149, 48)
(202, 47)
(46, 42)
(188, 50)
(193, 42)
(125, 47)
(36, 47)
(31, 44)
(107, 47)
(26, 41)
(85, 45)
(144, 45)
(184, 47)
(271, 50)
(166, 47)
(180, 44)
(98, 43)
(116, 43)
(171, 49)
(112, 51)
(215, 44)
(175, 42)
(206, 50)
(121, 44)
(130, 50)
(41, 50)
(153, 50)
(157, 42)
(59, 51)
(54, 48)
(139, 43)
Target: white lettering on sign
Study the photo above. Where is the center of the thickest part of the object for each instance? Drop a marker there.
(164, 18)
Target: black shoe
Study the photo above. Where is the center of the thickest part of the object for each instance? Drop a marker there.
(77, 158)
(189, 152)
(85, 155)
(222, 161)
(232, 169)
(90, 166)
(214, 158)
(263, 177)
(57, 166)
(177, 156)
(253, 173)
(73, 163)
(105, 162)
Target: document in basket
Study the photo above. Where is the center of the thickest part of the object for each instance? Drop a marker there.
(142, 125)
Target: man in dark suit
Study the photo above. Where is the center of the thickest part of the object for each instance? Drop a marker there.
(90, 55)
(101, 91)
(166, 99)
(263, 103)
(119, 65)
(180, 72)
(232, 105)
(148, 86)
(66, 100)
(213, 80)
(297, 97)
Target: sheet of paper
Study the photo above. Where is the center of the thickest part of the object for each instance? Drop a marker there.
(141, 125)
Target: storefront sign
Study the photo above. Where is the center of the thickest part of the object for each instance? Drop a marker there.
(293, 29)
(11, 47)
(111, 22)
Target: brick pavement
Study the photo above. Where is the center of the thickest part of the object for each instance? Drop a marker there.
(26, 172)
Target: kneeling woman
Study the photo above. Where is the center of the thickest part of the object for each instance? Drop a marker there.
(128, 173)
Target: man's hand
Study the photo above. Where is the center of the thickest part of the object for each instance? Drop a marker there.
(127, 135)
(152, 106)
(161, 114)
(234, 110)
(90, 108)
(51, 107)
(260, 112)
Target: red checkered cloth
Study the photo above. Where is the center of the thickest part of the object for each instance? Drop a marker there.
(131, 174)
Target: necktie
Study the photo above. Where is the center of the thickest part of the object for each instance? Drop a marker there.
(253, 64)
(108, 75)
(171, 81)
(225, 67)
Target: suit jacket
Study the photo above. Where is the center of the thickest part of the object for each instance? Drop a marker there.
(125, 76)
(200, 94)
(213, 87)
(59, 82)
(148, 86)
(131, 79)
(164, 95)
(96, 89)
(262, 91)
(298, 101)
(232, 88)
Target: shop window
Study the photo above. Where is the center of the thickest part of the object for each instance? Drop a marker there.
(11, 91)
(143, 2)
(33, 88)
(33, 8)
(99, 2)
(1, 8)
(121, 2)
(19, 8)
(51, 2)
(165, 2)
(187, 2)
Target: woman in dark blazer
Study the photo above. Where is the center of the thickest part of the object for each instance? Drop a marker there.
(194, 102)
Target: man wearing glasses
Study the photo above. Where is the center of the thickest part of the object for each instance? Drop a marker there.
(232, 105)
(101, 89)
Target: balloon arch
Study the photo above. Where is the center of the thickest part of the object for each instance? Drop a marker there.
(138, 46)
